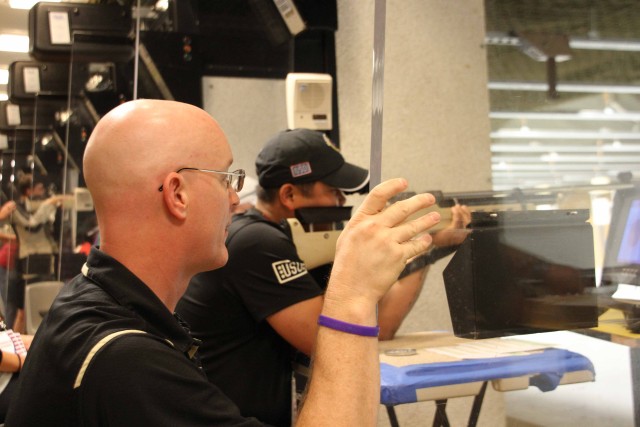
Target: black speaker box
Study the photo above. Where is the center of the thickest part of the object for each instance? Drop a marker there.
(27, 117)
(81, 32)
(30, 79)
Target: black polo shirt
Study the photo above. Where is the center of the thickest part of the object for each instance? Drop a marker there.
(227, 309)
(110, 353)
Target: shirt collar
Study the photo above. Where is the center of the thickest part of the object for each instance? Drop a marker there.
(130, 292)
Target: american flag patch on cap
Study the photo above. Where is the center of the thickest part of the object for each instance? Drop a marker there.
(300, 169)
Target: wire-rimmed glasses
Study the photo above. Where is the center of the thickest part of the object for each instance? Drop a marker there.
(233, 179)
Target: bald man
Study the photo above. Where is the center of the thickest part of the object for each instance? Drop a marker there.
(110, 351)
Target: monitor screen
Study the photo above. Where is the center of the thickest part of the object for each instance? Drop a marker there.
(622, 250)
(629, 252)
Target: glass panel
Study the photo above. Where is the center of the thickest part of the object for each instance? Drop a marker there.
(564, 115)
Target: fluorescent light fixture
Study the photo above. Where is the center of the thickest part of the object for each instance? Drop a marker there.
(549, 134)
(558, 167)
(550, 157)
(26, 4)
(631, 45)
(600, 180)
(4, 96)
(4, 76)
(569, 148)
(583, 115)
(564, 87)
(14, 43)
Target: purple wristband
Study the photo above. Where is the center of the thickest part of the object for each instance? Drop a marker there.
(350, 328)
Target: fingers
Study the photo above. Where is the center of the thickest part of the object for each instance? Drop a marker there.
(378, 240)
(400, 211)
(409, 230)
(394, 216)
(377, 198)
(460, 216)
(417, 246)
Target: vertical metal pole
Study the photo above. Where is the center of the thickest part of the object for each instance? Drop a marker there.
(375, 167)
(136, 60)
(552, 80)
(65, 166)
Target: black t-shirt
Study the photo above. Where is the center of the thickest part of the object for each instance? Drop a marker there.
(110, 353)
(227, 310)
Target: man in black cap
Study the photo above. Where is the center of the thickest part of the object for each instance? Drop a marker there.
(252, 314)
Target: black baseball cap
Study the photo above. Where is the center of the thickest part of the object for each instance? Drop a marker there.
(303, 155)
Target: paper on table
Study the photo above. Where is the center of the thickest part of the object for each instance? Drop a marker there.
(629, 293)
(494, 347)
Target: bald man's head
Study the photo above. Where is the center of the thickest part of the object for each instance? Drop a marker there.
(145, 139)
(131, 166)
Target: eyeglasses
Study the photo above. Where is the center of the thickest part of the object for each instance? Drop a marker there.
(234, 179)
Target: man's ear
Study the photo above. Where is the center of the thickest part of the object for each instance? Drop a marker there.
(175, 196)
(287, 194)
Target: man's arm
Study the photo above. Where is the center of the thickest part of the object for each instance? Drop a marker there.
(298, 323)
(6, 209)
(371, 252)
(43, 214)
(399, 301)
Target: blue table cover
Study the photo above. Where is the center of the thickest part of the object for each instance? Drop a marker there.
(399, 384)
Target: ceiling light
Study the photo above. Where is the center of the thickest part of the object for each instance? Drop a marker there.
(582, 115)
(63, 116)
(162, 5)
(4, 76)
(26, 4)
(46, 139)
(4, 96)
(560, 134)
(633, 45)
(14, 43)
(600, 180)
(564, 87)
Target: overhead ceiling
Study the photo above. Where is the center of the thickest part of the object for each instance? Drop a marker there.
(590, 128)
